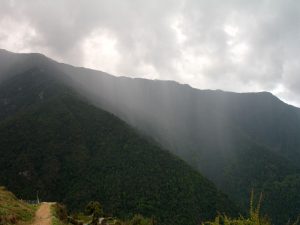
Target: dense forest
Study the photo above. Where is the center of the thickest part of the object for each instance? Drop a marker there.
(239, 141)
(54, 142)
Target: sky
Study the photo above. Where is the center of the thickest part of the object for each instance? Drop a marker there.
(232, 45)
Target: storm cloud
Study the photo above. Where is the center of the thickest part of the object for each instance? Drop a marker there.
(234, 45)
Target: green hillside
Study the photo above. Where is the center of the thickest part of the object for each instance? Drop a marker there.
(240, 141)
(72, 152)
(14, 211)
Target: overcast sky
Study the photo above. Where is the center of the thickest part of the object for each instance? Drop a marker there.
(235, 45)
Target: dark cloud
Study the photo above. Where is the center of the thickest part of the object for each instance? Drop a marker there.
(232, 45)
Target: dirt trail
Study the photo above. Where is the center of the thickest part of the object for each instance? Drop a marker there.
(43, 214)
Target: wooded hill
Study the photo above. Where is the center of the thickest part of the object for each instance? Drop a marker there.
(55, 142)
(240, 141)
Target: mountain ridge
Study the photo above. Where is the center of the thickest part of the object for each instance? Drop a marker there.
(37, 54)
(240, 141)
(55, 142)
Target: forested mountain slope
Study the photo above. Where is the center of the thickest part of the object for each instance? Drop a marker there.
(238, 140)
(54, 142)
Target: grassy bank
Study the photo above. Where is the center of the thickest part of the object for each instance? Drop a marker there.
(13, 210)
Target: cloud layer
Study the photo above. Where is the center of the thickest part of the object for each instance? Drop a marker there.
(235, 45)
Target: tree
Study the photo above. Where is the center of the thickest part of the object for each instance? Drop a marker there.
(94, 208)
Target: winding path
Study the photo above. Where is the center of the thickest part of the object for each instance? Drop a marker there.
(43, 214)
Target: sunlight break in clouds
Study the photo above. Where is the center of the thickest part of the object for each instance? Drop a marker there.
(16, 36)
(99, 52)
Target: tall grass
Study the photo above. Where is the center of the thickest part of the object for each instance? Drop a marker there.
(13, 210)
(254, 217)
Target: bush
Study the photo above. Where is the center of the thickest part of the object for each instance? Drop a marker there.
(61, 212)
(140, 220)
(94, 208)
(254, 216)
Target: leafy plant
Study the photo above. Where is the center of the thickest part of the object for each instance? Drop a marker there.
(94, 209)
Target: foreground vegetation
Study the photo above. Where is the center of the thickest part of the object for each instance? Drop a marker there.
(91, 215)
(59, 214)
(14, 211)
(254, 217)
(94, 212)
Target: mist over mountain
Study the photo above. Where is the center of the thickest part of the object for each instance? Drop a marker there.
(240, 141)
(55, 142)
